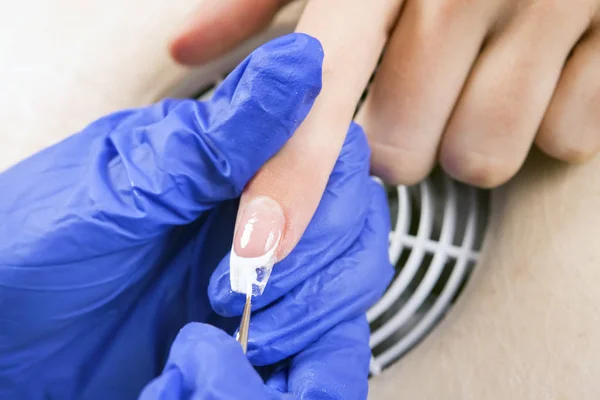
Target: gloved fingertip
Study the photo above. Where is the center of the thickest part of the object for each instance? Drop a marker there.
(300, 39)
(167, 386)
(338, 362)
(278, 380)
(204, 361)
(197, 345)
(378, 193)
(195, 333)
(296, 47)
(199, 348)
(228, 305)
(223, 300)
(355, 153)
(256, 109)
(263, 352)
(379, 222)
(283, 55)
(284, 76)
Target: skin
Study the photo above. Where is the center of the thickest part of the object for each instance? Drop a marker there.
(468, 84)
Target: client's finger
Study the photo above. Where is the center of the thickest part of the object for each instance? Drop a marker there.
(345, 288)
(281, 199)
(221, 25)
(420, 77)
(502, 105)
(571, 127)
(336, 225)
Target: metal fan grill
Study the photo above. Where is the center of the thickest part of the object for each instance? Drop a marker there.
(437, 231)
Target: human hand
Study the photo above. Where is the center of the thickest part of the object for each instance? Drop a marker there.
(110, 238)
(471, 84)
(476, 83)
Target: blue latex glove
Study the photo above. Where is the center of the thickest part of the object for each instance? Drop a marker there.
(108, 241)
(206, 363)
(318, 326)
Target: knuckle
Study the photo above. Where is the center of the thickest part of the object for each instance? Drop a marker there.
(402, 176)
(546, 7)
(453, 7)
(478, 169)
(189, 332)
(446, 8)
(442, 13)
(569, 151)
(399, 166)
(554, 10)
(575, 154)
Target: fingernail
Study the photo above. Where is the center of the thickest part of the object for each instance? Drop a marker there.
(257, 235)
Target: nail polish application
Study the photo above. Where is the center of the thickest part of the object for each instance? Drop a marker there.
(257, 236)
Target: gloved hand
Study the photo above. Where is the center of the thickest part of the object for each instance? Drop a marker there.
(342, 265)
(206, 363)
(109, 238)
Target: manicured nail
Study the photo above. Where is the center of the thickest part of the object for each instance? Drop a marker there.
(257, 235)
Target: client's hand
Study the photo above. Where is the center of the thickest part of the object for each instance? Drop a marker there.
(469, 83)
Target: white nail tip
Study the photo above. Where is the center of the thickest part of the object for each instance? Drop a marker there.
(250, 275)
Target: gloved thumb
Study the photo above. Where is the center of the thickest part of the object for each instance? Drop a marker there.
(201, 153)
(206, 363)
